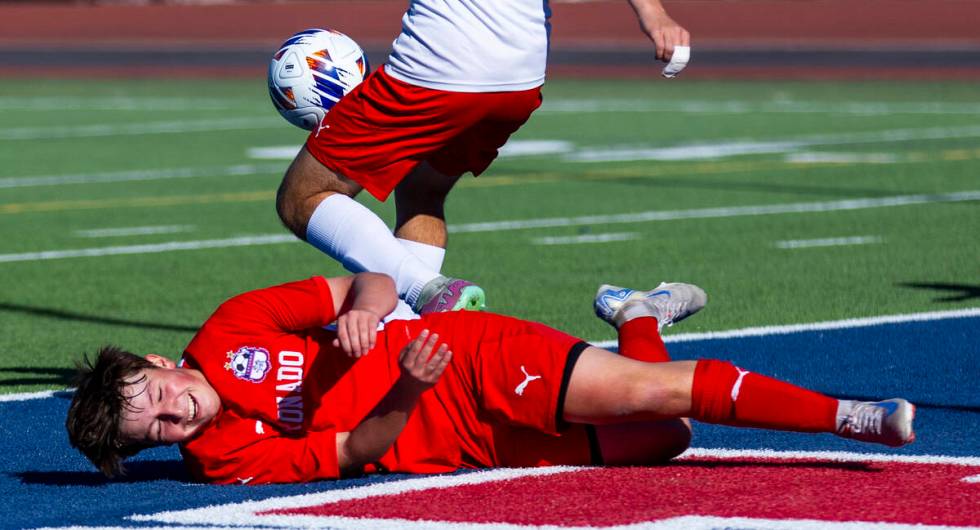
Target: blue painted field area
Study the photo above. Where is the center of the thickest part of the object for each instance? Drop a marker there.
(935, 364)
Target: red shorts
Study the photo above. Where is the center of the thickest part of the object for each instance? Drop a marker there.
(504, 390)
(385, 127)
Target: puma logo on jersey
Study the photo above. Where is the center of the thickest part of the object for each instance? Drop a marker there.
(527, 379)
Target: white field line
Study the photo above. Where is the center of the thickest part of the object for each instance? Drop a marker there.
(516, 148)
(849, 323)
(170, 246)
(134, 231)
(141, 174)
(699, 151)
(230, 514)
(245, 513)
(586, 238)
(716, 335)
(30, 395)
(273, 152)
(833, 456)
(130, 129)
(752, 107)
(842, 158)
(972, 479)
(827, 242)
(513, 148)
(725, 211)
(641, 217)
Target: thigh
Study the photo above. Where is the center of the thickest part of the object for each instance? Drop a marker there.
(474, 149)
(642, 443)
(423, 190)
(608, 388)
(519, 447)
(381, 131)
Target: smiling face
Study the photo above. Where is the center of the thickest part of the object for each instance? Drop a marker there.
(166, 404)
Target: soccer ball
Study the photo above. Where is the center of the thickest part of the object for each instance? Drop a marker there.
(311, 72)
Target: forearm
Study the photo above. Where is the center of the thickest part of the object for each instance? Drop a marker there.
(647, 8)
(372, 438)
(372, 292)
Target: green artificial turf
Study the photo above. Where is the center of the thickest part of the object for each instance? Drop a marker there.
(878, 140)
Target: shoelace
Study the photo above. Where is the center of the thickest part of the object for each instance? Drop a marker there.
(668, 309)
(863, 418)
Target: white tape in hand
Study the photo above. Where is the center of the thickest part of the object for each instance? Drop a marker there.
(678, 61)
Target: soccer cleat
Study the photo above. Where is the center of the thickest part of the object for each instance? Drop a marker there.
(450, 294)
(886, 422)
(669, 303)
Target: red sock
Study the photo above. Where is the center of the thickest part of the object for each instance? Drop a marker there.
(639, 339)
(724, 393)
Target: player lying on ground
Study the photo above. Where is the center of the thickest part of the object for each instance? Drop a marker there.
(461, 78)
(265, 394)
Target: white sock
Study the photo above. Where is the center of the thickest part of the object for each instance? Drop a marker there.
(431, 255)
(347, 231)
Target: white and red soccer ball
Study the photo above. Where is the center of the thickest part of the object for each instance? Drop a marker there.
(311, 71)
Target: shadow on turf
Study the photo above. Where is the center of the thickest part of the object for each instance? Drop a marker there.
(71, 315)
(137, 471)
(38, 376)
(957, 292)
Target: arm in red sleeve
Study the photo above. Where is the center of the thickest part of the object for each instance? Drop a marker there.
(292, 306)
(266, 460)
(307, 304)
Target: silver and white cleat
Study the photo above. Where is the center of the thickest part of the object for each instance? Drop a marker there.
(668, 303)
(886, 422)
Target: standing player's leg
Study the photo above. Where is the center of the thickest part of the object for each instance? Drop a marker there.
(318, 206)
(420, 226)
(606, 388)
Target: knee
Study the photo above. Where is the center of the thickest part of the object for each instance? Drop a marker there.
(292, 210)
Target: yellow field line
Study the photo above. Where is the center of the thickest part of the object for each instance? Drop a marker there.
(134, 202)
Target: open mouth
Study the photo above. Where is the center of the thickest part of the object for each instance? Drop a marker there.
(192, 409)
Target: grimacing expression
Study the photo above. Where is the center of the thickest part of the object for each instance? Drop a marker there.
(166, 405)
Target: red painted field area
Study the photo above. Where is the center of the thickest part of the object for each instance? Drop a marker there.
(908, 493)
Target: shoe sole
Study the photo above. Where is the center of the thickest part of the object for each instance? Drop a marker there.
(472, 298)
(907, 408)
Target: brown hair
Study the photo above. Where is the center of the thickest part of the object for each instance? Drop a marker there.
(96, 409)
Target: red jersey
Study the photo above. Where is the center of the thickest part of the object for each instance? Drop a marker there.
(286, 391)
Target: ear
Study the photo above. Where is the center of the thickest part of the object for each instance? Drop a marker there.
(160, 362)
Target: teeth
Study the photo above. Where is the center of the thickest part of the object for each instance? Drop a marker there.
(192, 408)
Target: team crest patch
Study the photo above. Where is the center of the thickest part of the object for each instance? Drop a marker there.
(249, 363)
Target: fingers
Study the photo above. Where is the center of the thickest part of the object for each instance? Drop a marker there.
(423, 360)
(357, 332)
(667, 41)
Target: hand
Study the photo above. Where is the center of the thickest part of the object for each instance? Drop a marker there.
(421, 368)
(664, 32)
(357, 332)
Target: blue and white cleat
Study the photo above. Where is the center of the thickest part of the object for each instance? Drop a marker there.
(887, 422)
(668, 303)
